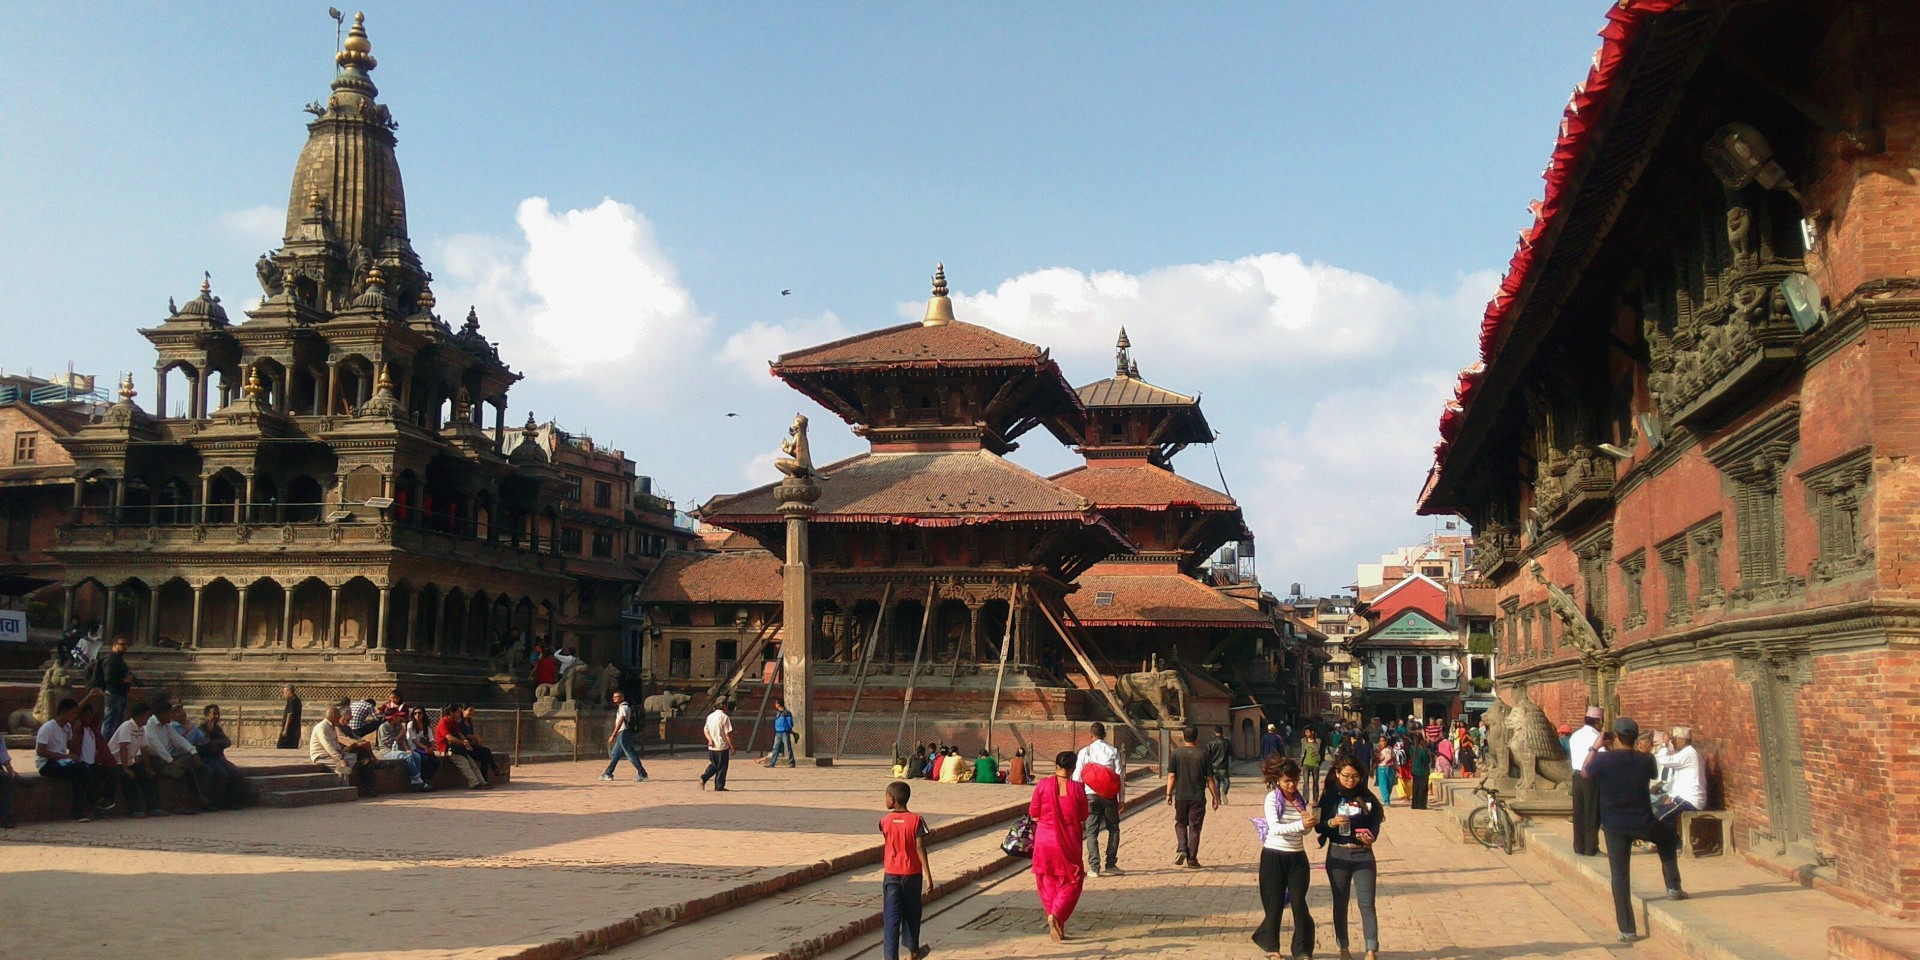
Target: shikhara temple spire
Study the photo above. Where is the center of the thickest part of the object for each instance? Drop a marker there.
(355, 60)
(1122, 366)
(939, 306)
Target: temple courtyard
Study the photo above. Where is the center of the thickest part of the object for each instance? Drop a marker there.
(560, 864)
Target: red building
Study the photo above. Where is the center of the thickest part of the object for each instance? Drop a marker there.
(1690, 453)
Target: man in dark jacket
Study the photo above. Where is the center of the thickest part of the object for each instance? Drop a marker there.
(1620, 775)
(114, 676)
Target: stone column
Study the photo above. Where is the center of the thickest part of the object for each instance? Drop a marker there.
(66, 613)
(193, 634)
(160, 394)
(240, 620)
(107, 626)
(286, 619)
(333, 388)
(413, 619)
(206, 497)
(973, 633)
(797, 494)
(151, 626)
(379, 636)
(243, 512)
(79, 497)
(333, 615)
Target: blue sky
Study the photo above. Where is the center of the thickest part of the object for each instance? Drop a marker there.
(1297, 209)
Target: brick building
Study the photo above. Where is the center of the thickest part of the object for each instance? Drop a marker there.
(1689, 451)
(36, 494)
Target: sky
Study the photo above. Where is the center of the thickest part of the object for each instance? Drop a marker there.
(1297, 210)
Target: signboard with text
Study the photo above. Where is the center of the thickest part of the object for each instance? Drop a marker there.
(13, 626)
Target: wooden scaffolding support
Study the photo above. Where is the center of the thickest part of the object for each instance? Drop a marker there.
(860, 680)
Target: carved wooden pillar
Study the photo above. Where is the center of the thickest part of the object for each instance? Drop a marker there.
(193, 632)
(973, 633)
(378, 637)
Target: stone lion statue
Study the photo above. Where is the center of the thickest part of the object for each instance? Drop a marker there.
(667, 704)
(1535, 744)
(1499, 759)
(1164, 692)
(605, 682)
(564, 688)
(55, 682)
(512, 661)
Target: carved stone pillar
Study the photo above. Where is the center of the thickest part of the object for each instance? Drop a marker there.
(333, 615)
(193, 632)
(206, 496)
(286, 620)
(66, 612)
(107, 629)
(243, 512)
(797, 495)
(160, 394)
(413, 619)
(378, 638)
(240, 621)
(333, 388)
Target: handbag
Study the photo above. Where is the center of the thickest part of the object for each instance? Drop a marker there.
(1019, 841)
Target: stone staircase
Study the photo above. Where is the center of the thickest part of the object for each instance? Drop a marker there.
(301, 789)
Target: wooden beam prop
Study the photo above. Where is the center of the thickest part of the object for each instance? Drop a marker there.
(727, 685)
(779, 675)
(860, 680)
(913, 673)
(1006, 645)
(1093, 673)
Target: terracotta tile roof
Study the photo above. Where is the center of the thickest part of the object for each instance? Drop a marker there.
(1142, 486)
(1158, 600)
(1478, 601)
(912, 343)
(954, 487)
(734, 576)
(1131, 392)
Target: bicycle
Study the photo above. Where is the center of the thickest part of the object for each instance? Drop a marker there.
(1493, 824)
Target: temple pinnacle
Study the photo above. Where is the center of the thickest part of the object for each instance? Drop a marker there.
(1120, 357)
(939, 306)
(357, 49)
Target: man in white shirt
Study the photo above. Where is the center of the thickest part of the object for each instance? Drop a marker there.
(172, 756)
(129, 748)
(328, 746)
(1686, 778)
(719, 746)
(53, 758)
(1581, 746)
(1102, 814)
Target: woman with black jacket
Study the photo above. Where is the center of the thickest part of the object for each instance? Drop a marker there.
(1350, 821)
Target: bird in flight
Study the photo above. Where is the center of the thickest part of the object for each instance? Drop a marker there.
(786, 293)
(732, 414)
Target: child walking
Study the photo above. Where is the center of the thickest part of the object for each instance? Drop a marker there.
(906, 874)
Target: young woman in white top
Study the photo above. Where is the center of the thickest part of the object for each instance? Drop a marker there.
(1284, 868)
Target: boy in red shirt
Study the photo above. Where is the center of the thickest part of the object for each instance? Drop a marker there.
(905, 870)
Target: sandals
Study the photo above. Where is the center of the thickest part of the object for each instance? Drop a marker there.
(1054, 929)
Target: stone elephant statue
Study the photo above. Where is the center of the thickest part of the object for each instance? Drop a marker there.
(667, 704)
(1164, 692)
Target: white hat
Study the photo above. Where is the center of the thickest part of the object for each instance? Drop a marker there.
(1683, 733)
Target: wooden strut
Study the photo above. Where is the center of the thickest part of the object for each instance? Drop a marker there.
(1006, 644)
(913, 672)
(742, 663)
(1086, 664)
(779, 676)
(860, 680)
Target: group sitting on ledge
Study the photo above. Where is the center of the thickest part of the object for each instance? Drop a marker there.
(948, 765)
(152, 744)
(355, 737)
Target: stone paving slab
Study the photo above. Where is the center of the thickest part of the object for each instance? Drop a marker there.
(1438, 901)
(467, 874)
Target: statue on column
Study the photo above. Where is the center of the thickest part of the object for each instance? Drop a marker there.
(798, 460)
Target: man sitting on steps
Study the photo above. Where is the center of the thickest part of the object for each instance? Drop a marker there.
(350, 758)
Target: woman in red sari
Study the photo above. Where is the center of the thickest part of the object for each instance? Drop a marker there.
(1059, 812)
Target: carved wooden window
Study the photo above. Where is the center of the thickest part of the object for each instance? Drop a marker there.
(1673, 571)
(1426, 671)
(1526, 633)
(1755, 462)
(1393, 671)
(1838, 490)
(1509, 627)
(25, 446)
(1633, 576)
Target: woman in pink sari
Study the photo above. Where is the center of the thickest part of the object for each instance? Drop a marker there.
(1059, 812)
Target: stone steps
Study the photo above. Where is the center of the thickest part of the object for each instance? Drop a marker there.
(309, 796)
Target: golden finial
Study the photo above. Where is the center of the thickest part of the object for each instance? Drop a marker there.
(253, 388)
(426, 300)
(532, 430)
(383, 382)
(374, 279)
(357, 50)
(314, 205)
(939, 307)
(127, 392)
(206, 285)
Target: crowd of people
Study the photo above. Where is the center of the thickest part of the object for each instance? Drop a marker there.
(354, 736)
(107, 764)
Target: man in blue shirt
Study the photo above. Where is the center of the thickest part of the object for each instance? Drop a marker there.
(782, 735)
(1272, 745)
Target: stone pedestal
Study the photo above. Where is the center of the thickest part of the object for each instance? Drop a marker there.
(549, 707)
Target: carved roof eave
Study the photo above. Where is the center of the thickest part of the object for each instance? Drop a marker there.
(1604, 179)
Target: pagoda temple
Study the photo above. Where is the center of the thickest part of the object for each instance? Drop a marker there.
(1149, 611)
(933, 532)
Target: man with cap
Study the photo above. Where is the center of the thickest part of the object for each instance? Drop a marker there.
(1619, 778)
(1582, 746)
(1686, 779)
(1271, 745)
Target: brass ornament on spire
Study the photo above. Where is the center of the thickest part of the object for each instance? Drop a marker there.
(253, 390)
(1121, 360)
(939, 306)
(127, 393)
(357, 50)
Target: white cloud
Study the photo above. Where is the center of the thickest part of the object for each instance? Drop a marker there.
(258, 225)
(751, 349)
(587, 295)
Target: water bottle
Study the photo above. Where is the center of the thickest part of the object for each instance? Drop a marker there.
(1347, 810)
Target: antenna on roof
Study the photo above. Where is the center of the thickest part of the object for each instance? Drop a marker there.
(339, 23)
